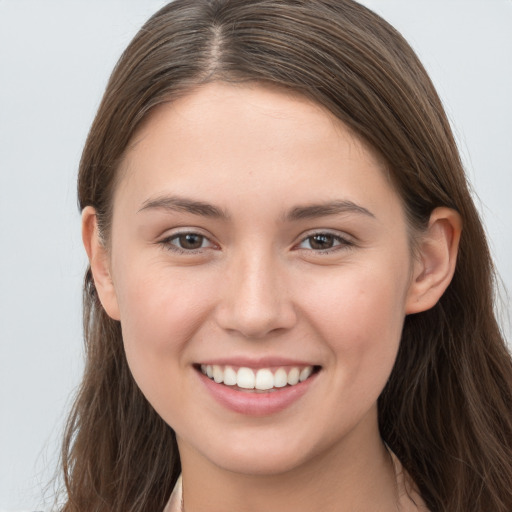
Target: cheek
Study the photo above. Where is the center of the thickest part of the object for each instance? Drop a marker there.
(161, 310)
(160, 314)
(359, 302)
(361, 318)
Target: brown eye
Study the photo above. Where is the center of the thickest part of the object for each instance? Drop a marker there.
(322, 241)
(183, 242)
(191, 241)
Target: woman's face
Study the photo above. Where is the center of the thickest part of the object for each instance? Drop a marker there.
(251, 230)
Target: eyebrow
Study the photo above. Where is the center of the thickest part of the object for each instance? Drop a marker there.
(182, 204)
(313, 211)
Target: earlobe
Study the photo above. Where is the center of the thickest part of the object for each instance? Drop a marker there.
(436, 259)
(100, 262)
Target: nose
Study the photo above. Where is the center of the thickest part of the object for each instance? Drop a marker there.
(255, 300)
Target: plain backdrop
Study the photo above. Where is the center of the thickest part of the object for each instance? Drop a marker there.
(55, 59)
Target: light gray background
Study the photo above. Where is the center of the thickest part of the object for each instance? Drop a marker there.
(55, 58)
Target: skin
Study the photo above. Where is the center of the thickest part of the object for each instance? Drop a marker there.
(259, 286)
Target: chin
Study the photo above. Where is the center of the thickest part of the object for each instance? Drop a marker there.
(264, 452)
(261, 462)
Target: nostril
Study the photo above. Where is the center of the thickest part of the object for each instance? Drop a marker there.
(256, 321)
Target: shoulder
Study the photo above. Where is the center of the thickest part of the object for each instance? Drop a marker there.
(175, 501)
(409, 498)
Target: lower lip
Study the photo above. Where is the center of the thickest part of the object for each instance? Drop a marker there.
(257, 404)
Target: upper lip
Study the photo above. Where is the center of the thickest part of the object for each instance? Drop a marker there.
(260, 362)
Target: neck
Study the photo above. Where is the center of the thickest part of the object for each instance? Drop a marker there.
(355, 474)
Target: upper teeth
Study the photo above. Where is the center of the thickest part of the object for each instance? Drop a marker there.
(261, 379)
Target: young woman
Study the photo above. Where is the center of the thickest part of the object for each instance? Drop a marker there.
(290, 295)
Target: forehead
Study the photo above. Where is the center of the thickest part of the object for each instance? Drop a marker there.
(256, 108)
(223, 139)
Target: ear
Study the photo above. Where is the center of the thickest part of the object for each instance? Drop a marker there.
(99, 261)
(435, 261)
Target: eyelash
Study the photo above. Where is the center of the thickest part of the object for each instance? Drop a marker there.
(340, 243)
(169, 245)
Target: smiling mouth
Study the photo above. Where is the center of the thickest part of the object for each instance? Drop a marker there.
(259, 380)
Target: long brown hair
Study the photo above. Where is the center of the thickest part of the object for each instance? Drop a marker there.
(447, 408)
